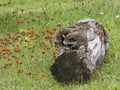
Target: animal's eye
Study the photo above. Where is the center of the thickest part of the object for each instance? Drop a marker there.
(72, 39)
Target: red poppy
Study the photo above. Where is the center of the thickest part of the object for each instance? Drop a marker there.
(5, 66)
(19, 70)
(30, 33)
(42, 74)
(8, 33)
(43, 43)
(43, 31)
(51, 31)
(9, 63)
(31, 47)
(14, 37)
(37, 35)
(49, 37)
(17, 49)
(5, 49)
(28, 73)
(43, 51)
(23, 32)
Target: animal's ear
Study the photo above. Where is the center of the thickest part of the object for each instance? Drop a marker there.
(64, 31)
(61, 35)
(59, 39)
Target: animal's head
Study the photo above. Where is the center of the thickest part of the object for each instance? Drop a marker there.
(61, 35)
(72, 41)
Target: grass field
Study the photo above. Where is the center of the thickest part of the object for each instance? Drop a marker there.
(27, 30)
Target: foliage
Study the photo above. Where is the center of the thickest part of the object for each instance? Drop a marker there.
(27, 50)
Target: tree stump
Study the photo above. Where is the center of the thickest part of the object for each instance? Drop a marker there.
(82, 47)
(69, 68)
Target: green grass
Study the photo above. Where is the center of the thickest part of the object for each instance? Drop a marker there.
(37, 15)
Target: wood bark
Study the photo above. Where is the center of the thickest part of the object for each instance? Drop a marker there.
(82, 47)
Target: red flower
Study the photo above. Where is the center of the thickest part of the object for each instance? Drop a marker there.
(19, 70)
(31, 47)
(37, 35)
(9, 63)
(43, 51)
(51, 31)
(14, 37)
(28, 28)
(5, 49)
(30, 32)
(28, 73)
(42, 74)
(17, 49)
(43, 31)
(8, 33)
(23, 32)
(49, 37)
(43, 43)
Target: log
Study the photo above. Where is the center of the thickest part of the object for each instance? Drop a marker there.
(69, 68)
(82, 48)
